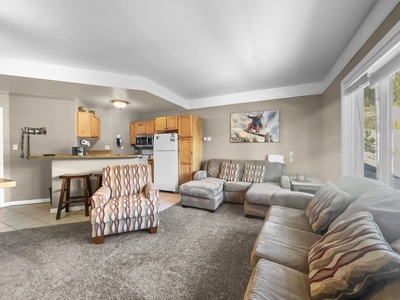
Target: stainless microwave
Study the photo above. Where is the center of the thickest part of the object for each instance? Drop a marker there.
(144, 140)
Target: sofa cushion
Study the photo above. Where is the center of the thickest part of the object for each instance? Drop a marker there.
(355, 186)
(350, 258)
(213, 166)
(261, 193)
(229, 171)
(325, 206)
(290, 217)
(383, 203)
(284, 245)
(396, 246)
(274, 171)
(270, 280)
(253, 173)
(203, 188)
(236, 186)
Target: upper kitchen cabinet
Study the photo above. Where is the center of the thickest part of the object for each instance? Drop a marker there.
(190, 146)
(146, 127)
(189, 125)
(133, 133)
(164, 124)
(141, 127)
(87, 125)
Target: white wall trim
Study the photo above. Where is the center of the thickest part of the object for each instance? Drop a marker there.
(24, 202)
(260, 95)
(85, 76)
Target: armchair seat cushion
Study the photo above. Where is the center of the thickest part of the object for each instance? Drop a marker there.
(126, 207)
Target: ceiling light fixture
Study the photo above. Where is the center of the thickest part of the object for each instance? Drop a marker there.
(120, 104)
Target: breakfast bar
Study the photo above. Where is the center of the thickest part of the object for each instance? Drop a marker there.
(73, 164)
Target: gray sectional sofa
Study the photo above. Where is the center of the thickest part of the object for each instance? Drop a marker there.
(303, 252)
(251, 182)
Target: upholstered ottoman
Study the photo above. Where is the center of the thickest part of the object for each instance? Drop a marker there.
(205, 193)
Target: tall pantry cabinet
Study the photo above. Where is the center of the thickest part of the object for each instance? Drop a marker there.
(190, 146)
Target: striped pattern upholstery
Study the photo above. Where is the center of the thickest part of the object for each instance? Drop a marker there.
(229, 171)
(253, 173)
(349, 258)
(127, 201)
(326, 205)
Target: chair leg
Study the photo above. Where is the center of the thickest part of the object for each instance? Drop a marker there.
(153, 230)
(86, 195)
(61, 200)
(68, 199)
(98, 240)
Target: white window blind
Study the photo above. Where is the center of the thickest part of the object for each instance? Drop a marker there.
(378, 65)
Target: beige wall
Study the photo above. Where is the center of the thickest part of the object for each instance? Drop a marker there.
(331, 127)
(5, 104)
(58, 115)
(300, 132)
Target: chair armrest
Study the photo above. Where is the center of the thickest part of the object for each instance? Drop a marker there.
(290, 199)
(284, 181)
(101, 196)
(152, 192)
(200, 175)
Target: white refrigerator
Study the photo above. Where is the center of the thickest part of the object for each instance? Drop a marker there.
(165, 153)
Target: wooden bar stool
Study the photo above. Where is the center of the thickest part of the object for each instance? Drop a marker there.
(65, 193)
(99, 180)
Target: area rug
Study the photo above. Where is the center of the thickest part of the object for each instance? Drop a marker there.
(194, 255)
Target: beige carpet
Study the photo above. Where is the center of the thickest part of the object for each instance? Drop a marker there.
(194, 255)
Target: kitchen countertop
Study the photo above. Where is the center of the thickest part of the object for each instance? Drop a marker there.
(4, 183)
(91, 156)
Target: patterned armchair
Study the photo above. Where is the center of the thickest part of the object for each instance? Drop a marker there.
(127, 201)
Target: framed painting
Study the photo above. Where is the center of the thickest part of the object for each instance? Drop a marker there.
(255, 127)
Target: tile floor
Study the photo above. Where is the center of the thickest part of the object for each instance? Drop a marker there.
(37, 215)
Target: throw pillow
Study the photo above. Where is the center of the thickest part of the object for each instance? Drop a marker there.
(351, 258)
(229, 171)
(253, 173)
(328, 203)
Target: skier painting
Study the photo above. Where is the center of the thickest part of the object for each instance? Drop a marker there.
(255, 127)
(255, 123)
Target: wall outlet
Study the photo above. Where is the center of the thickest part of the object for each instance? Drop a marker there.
(290, 159)
(107, 147)
(15, 147)
(290, 153)
(209, 139)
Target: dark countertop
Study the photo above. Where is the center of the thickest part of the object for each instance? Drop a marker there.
(91, 156)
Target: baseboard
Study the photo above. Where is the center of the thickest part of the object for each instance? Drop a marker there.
(24, 202)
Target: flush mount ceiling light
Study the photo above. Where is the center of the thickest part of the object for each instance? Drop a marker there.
(120, 104)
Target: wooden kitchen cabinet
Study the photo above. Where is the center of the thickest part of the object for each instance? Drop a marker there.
(132, 133)
(141, 127)
(190, 146)
(164, 124)
(150, 127)
(87, 125)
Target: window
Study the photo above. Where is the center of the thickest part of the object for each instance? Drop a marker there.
(375, 122)
(371, 114)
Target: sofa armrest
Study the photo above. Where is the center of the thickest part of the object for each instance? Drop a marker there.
(152, 192)
(291, 199)
(200, 175)
(101, 196)
(284, 182)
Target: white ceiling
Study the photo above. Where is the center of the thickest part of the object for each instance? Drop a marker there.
(179, 54)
